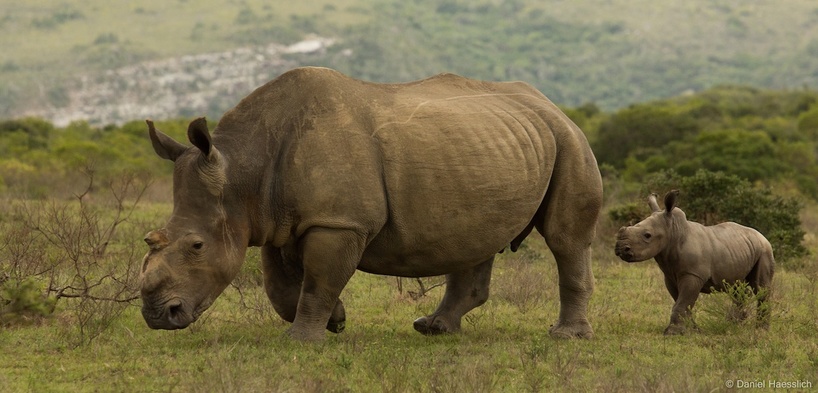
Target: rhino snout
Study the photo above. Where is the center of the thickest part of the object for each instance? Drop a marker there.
(624, 251)
(170, 316)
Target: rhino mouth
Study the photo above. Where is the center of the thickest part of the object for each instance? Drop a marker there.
(173, 314)
(624, 252)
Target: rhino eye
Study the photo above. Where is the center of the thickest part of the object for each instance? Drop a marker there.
(647, 236)
(198, 245)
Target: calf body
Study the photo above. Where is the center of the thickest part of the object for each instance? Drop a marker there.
(696, 258)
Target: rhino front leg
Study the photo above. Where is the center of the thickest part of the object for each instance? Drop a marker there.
(283, 275)
(330, 257)
(465, 290)
(689, 288)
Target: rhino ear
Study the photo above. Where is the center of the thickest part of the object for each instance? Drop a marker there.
(654, 206)
(670, 201)
(199, 135)
(165, 146)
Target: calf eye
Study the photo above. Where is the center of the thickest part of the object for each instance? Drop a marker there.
(646, 236)
(198, 245)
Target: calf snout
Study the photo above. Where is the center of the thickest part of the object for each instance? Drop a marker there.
(623, 251)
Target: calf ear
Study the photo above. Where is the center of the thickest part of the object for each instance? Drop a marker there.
(199, 135)
(670, 201)
(165, 146)
(654, 206)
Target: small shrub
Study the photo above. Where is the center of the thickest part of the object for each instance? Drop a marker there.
(627, 214)
(735, 305)
(24, 302)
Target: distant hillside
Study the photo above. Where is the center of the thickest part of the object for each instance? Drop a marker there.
(109, 62)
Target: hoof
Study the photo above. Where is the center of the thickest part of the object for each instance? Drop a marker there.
(305, 336)
(336, 327)
(674, 330)
(432, 326)
(574, 330)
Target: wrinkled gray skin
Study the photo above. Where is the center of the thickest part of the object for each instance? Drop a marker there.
(696, 258)
(329, 174)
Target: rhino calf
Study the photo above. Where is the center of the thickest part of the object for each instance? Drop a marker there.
(697, 259)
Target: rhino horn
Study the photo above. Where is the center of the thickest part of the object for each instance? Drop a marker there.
(165, 146)
(156, 240)
(654, 206)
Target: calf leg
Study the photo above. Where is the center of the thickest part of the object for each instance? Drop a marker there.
(689, 287)
(283, 275)
(465, 290)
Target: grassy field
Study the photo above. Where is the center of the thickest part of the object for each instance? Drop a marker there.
(239, 345)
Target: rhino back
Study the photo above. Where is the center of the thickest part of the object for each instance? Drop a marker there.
(735, 251)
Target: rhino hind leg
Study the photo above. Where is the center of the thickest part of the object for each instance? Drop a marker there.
(760, 280)
(465, 290)
(567, 220)
(576, 286)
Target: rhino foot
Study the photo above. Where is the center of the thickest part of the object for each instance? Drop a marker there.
(675, 330)
(305, 335)
(431, 326)
(566, 330)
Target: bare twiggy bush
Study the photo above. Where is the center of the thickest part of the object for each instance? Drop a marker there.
(522, 284)
(80, 249)
(423, 287)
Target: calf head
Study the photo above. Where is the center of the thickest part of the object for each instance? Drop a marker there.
(200, 250)
(652, 235)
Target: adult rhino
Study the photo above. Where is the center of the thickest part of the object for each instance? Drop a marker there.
(330, 174)
(697, 259)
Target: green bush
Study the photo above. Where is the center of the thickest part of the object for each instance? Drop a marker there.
(641, 130)
(627, 214)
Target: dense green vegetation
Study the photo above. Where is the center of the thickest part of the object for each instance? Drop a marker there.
(764, 136)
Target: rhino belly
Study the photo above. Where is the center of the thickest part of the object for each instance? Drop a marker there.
(457, 196)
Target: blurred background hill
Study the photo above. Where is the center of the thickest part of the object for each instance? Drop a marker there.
(110, 62)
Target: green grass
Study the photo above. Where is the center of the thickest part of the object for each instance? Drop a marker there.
(239, 345)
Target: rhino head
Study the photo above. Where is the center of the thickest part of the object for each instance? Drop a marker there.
(200, 250)
(651, 236)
